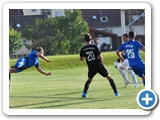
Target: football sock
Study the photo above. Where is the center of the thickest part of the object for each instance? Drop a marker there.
(86, 86)
(9, 76)
(144, 82)
(123, 74)
(9, 87)
(9, 81)
(133, 76)
(113, 85)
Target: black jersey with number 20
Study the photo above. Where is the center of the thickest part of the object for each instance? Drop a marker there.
(91, 52)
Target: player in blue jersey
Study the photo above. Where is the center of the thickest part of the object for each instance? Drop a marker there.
(31, 60)
(132, 52)
(94, 59)
(123, 67)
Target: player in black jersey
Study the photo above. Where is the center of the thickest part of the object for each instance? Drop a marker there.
(94, 61)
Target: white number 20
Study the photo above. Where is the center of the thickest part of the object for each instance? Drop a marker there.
(90, 55)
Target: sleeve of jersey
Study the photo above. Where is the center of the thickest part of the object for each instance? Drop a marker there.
(35, 52)
(81, 53)
(120, 48)
(139, 45)
(98, 51)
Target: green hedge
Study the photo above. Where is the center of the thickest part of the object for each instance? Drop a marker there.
(72, 61)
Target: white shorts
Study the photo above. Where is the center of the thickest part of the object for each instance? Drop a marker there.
(117, 64)
(125, 64)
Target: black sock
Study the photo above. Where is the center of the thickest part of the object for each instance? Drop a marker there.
(86, 86)
(9, 76)
(113, 85)
(144, 82)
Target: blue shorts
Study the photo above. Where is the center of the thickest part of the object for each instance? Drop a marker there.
(21, 64)
(139, 69)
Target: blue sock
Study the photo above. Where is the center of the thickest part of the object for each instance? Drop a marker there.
(144, 82)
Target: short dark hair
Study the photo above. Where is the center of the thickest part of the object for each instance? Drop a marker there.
(87, 37)
(132, 34)
(39, 49)
(126, 35)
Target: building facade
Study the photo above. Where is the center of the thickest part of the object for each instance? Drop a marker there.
(48, 12)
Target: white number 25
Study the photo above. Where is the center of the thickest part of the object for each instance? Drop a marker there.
(130, 53)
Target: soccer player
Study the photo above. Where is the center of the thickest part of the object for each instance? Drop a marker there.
(94, 59)
(131, 49)
(31, 60)
(122, 66)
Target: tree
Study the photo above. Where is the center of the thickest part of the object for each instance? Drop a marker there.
(77, 27)
(60, 35)
(15, 43)
(32, 33)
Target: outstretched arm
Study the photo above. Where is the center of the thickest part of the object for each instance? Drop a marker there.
(42, 71)
(43, 57)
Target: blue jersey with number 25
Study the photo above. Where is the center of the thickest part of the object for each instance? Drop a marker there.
(132, 53)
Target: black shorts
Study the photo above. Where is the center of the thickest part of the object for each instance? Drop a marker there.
(101, 69)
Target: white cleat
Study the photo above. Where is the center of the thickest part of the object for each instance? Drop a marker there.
(136, 85)
(126, 83)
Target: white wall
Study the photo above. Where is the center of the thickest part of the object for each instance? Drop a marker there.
(38, 12)
(140, 30)
(29, 12)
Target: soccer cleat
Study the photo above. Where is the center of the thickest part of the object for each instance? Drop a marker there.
(84, 95)
(117, 94)
(126, 83)
(136, 85)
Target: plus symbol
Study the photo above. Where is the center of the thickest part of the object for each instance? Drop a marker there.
(147, 99)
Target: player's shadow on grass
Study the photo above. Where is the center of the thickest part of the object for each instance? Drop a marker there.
(67, 93)
(59, 101)
(68, 101)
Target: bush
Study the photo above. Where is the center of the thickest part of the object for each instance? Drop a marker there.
(72, 61)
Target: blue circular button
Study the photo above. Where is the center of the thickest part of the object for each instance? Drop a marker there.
(147, 99)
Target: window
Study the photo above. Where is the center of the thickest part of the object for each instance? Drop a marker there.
(68, 9)
(18, 25)
(134, 17)
(58, 13)
(33, 10)
(131, 28)
(46, 12)
(104, 19)
(143, 15)
(109, 30)
(94, 17)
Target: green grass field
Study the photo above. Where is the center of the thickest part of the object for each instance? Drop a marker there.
(63, 90)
